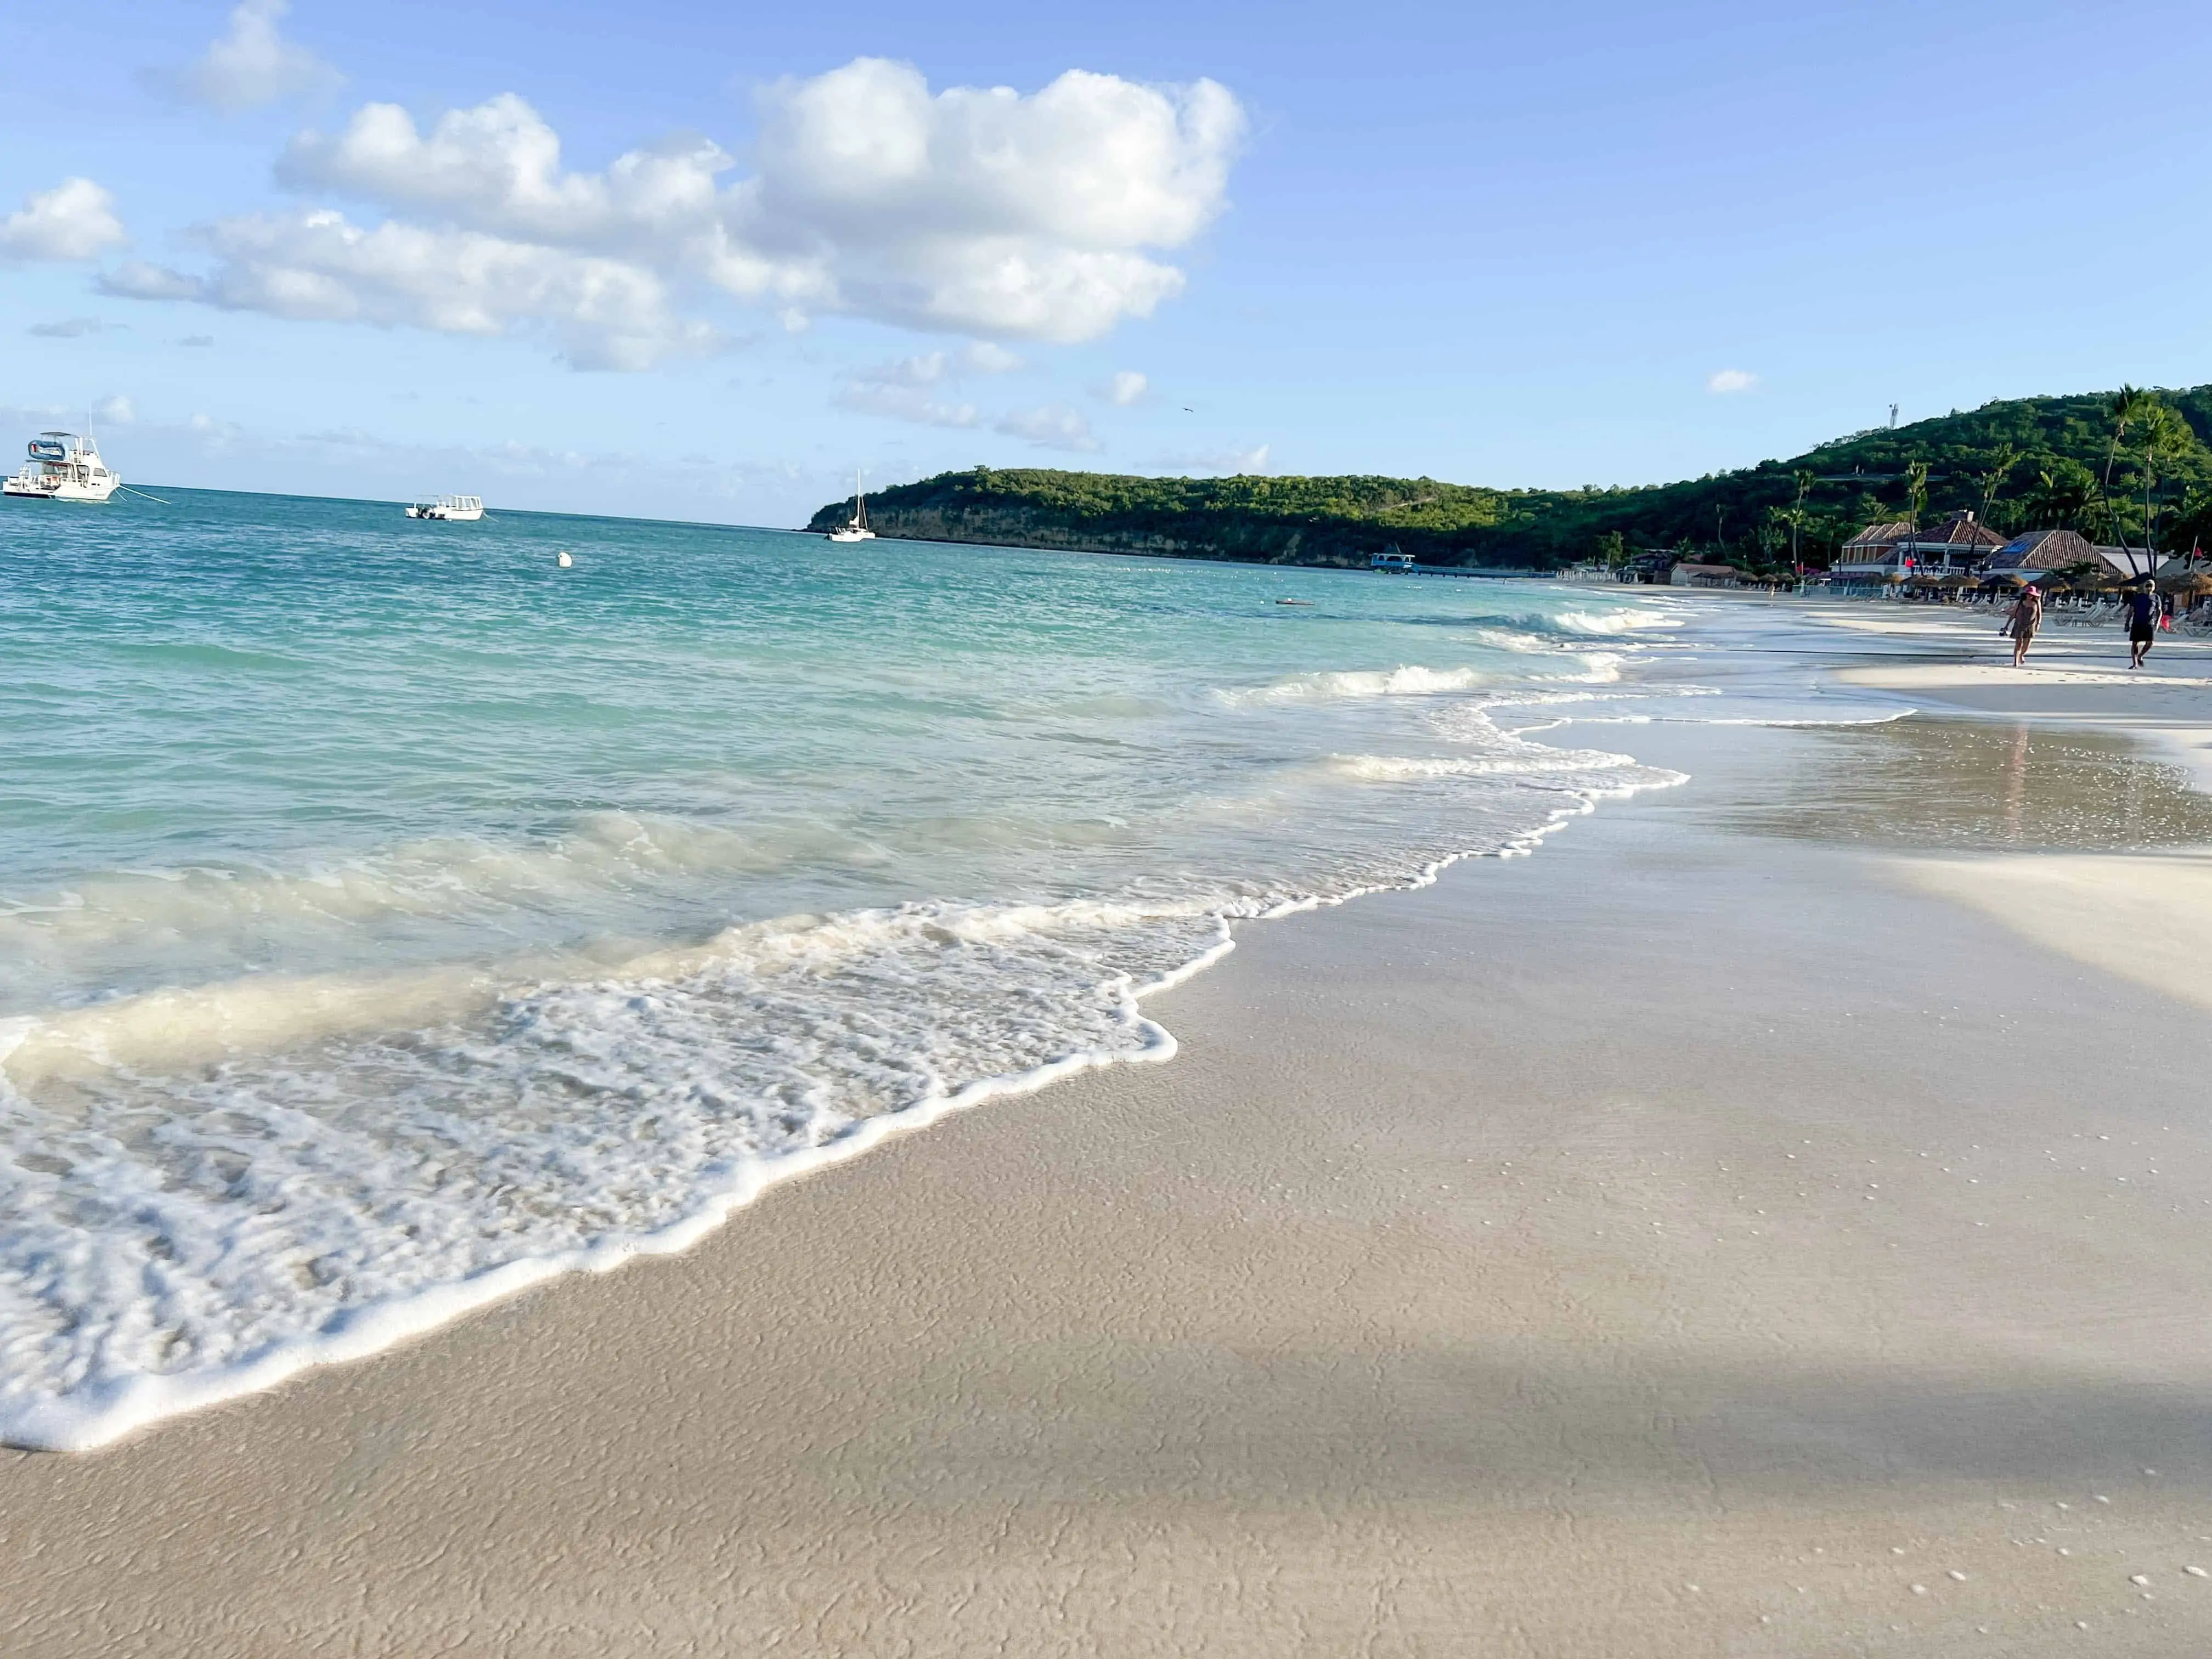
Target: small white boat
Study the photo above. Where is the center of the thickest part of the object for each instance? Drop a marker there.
(855, 529)
(63, 467)
(456, 509)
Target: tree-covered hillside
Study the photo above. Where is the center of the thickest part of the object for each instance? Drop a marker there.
(2029, 463)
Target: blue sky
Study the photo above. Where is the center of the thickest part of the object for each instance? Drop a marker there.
(1499, 245)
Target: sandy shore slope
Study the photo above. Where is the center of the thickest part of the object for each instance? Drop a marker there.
(1707, 1237)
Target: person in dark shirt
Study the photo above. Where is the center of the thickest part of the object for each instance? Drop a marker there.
(2141, 609)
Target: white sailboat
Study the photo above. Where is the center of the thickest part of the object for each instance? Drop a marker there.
(63, 467)
(855, 529)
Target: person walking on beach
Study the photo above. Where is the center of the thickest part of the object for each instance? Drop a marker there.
(2027, 615)
(2141, 607)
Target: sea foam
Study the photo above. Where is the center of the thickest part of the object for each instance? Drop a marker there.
(436, 939)
(214, 1187)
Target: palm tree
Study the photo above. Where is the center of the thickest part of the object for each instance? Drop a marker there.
(2193, 518)
(2163, 435)
(1778, 519)
(2002, 459)
(2065, 496)
(1770, 539)
(2128, 404)
(1915, 492)
(1805, 482)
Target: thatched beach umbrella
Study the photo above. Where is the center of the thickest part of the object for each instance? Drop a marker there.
(2190, 585)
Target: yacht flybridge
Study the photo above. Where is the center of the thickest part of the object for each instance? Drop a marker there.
(63, 467)
(459, 509)
(855, 529)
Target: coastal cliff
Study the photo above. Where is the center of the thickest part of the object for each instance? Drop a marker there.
(2027, 463)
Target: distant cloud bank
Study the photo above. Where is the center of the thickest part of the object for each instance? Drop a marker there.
(1051, 426)
(1231, 460)
(1725, 380)
(907, 390)
(973, 211)
(70, 328)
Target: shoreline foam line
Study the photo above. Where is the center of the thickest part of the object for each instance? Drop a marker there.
(72, 1424)
(104, 1414)
(113, 1408)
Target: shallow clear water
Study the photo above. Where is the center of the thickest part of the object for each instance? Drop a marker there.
(388, 915)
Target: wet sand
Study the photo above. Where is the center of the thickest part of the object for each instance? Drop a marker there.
(1709, 1236)
(2075, 674)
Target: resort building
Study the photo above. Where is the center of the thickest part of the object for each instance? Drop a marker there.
(1868, 556)
(2041, 552)
(2129, 563)
(1686, 575)
(2038, 553)
(1892, 552)
(1954, 547)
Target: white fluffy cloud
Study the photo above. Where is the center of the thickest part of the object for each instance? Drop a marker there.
(1726, 380)
(984, 210)
(74, 219)
(1051, 426)
(496, 168)
(319, 267)
(1124, 388)
(971, 211)
(252, 64)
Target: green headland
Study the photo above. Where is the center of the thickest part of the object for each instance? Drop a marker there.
(2114, 465)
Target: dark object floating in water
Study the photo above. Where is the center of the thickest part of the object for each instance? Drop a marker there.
(1307, 602)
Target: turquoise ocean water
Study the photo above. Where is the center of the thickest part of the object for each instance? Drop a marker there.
(389, 917)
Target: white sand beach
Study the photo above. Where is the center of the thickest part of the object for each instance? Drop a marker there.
(1769, 1220)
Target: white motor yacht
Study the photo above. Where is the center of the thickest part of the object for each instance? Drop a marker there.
(456, 509)
(855, 529)
(63, 467)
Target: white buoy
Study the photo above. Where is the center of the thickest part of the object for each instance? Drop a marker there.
(566, 561)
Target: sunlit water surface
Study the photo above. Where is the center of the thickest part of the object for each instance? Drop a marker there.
(389, 916)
